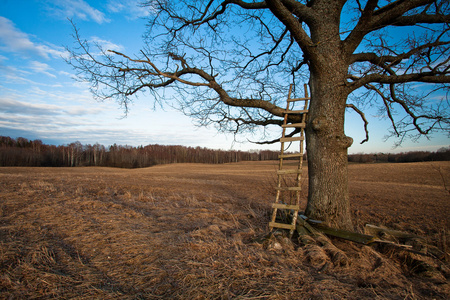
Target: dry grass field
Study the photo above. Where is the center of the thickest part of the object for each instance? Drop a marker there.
(190, 231)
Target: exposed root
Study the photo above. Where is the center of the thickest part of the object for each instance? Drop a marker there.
(317, 256)
(338, 257)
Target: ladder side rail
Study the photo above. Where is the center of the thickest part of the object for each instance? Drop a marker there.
(300, 164)
(302, 134)
(280, 167)
(302, 131)
(298, 172)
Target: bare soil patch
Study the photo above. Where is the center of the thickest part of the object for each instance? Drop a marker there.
(190, 231)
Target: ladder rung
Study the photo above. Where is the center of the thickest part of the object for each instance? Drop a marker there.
(290, 155)
(296, 125)
(281, 225)
(300, 111)
(285, 206)
(289, 188)
(292, 139)
(298, 99)
(289, 171)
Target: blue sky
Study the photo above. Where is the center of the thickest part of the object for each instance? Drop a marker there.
(39, 98)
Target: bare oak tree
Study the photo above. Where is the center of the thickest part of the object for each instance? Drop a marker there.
(230, 62)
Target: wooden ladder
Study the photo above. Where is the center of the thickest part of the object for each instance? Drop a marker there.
(286, 176)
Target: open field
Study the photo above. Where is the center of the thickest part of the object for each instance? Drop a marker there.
(188, 231)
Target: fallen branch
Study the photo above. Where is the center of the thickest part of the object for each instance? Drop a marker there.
(314, 226)
(373, 234)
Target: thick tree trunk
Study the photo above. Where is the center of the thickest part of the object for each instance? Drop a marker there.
(327, 145)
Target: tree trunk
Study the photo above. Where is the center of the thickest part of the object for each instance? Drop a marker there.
(327, 145)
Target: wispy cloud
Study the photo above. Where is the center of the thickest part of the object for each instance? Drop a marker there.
(12, 70)
(12, 106)
(11, 74)
(133, 9)
(106, 45)
(14, 75)
(42, 68)
(77, 8)
(14, 40)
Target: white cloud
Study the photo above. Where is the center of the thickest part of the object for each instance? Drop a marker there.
(14, 75)
(77, 8)
(42, 68)
(12, 70)
(60, 114)
(65, 73)
(14, 40)
(12, 106)
(131, 8)
(106, 45)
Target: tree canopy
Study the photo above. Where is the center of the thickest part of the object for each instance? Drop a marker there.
(230, 62)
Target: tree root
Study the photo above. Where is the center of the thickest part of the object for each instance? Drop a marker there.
(338, 257)
(320, 251)
(410, 251)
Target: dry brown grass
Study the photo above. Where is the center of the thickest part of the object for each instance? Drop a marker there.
(187, 231)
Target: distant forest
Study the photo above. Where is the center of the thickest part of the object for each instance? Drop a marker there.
(412, 156)
(24, 152)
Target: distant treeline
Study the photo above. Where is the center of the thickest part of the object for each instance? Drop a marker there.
(412, 156)
(24, 152)
(27, 153)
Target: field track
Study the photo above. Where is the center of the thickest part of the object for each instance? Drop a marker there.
(187, 231)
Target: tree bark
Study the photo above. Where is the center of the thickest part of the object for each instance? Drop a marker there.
(326, 142)
(328, 198)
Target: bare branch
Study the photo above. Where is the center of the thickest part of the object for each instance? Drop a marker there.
(391, 14)
(291, 134)
(268, 52)
(204, 18)
(386, 105)
(381, 60)
(421, 19)
(292, 23)
(415, 117)
(428, 77)
(363, 117)
(433, 118)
